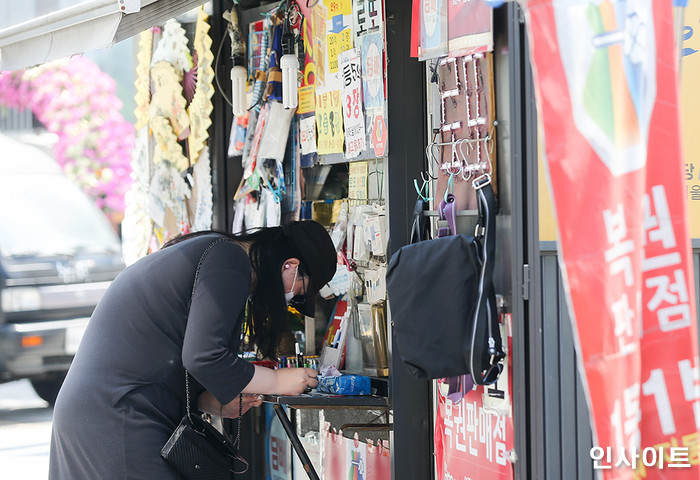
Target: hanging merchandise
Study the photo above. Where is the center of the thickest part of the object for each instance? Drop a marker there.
(274, 138)
(270, 205)
(273, 89)
(254, 213)
(238, 135)
(259, 60)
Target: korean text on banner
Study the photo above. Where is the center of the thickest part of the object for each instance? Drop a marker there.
(607, 91)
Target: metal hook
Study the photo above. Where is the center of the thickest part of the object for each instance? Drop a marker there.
(430, 155)
(465, 162)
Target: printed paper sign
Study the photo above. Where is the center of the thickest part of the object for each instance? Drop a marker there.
(338, 31)
(379, 135)
(329, 122)
(638, 343)
(353, 112)
(307, 99)
(373, 70)
(433, 29)
(307, 134)
(368, 17)
(469, 27)
(357, 183)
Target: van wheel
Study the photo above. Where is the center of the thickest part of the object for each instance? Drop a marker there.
(47, 388)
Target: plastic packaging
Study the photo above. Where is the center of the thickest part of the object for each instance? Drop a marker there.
(345, 385)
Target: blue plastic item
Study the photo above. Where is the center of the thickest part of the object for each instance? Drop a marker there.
(345, 385)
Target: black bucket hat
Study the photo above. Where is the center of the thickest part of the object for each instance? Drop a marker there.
(318, 260)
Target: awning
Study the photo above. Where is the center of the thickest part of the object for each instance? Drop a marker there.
(89, 25)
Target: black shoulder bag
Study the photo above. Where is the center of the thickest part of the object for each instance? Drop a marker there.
(442, 300)
(196, 449)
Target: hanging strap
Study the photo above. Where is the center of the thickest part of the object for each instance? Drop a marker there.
(419, 228)
(447, 223)
(486, 230)
(188, 404)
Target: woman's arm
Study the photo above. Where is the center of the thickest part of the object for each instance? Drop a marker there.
(208, 403)
(283, 381)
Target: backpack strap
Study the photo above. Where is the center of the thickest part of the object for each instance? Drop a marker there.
(420, 226)
(486, 311)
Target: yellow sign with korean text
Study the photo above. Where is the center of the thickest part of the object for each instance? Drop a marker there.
(329, 123)
(338, 30)
(357, 182)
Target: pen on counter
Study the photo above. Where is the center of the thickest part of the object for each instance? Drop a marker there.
(300, 357)
(336, 338)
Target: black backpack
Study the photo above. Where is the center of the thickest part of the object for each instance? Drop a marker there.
(442, 300)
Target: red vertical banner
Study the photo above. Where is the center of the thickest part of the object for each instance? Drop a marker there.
(606, 83)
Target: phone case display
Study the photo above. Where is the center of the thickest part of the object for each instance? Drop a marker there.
(171, 191)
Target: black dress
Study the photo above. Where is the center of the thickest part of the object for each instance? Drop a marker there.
(125, 391)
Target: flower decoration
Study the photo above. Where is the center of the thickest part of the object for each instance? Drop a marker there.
(75, 100)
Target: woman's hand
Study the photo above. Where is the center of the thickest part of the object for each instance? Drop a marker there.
(293, 381)
(283, 381)
(230, 410)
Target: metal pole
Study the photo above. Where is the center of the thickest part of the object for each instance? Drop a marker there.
(296, 443)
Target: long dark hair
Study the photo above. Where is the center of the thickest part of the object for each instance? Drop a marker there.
(267, 315)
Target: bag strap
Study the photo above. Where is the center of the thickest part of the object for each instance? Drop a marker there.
(486, 230)
(194, 285)
(419, 228)
(237, 442)
(447, 223)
